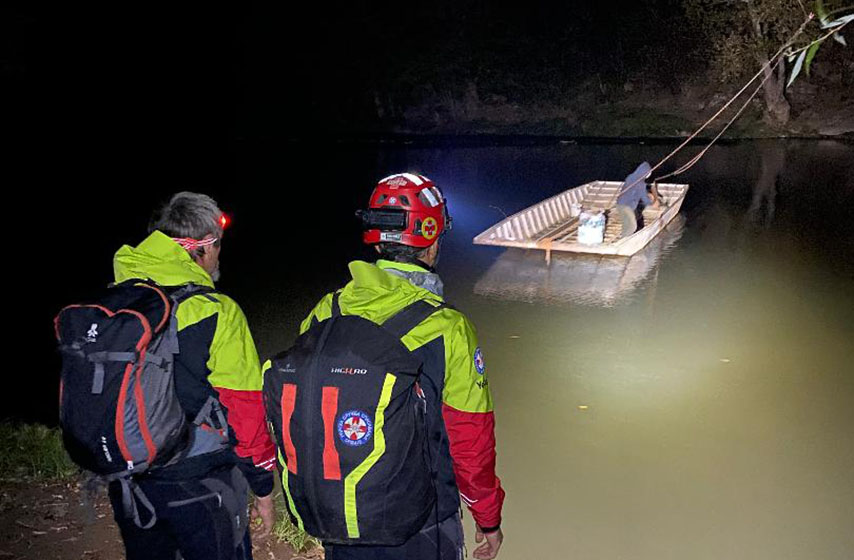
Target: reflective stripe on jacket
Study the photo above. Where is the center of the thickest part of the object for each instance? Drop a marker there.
(459, 401)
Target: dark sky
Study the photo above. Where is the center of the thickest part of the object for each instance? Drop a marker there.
(189, 76)
(161, 92)
(113, 100)
(110, 108)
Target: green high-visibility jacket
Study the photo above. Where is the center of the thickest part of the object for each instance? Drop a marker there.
(217, 356)
(460, 409)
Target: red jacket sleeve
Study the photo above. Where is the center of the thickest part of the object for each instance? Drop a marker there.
(472, 441)
(246, 417)
(470, 423)
(235, 372)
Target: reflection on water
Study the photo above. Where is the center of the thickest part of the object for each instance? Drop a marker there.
(763, 204)
(522, 275)
(698, 405)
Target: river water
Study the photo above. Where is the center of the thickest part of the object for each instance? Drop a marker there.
(695, 401)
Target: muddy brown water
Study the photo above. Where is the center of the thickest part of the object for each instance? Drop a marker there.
(694, 402)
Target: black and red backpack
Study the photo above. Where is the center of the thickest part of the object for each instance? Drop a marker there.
(118, 410)
(350, 421)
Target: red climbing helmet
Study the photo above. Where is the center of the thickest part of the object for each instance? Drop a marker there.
(405, 208)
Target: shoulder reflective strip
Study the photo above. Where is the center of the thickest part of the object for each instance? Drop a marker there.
(350, 512)
(431, 198)
(331, 461)
(289, 397)
(287, 489)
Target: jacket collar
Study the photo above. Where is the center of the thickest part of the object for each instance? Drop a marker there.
(160, 259)
(417, 274)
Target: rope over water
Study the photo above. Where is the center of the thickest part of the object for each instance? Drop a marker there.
(770, 66)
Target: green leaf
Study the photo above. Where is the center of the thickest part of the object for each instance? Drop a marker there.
(810, 54)
(820, 11)
(840, 39)
(797, 69)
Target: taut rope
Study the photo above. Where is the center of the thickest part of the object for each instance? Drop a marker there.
(772, 63)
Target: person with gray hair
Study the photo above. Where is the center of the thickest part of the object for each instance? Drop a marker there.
(190, 217)
(200, 500)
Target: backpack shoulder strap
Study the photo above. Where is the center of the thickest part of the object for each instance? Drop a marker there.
(185, 292)
(176, 293)
(410, 316)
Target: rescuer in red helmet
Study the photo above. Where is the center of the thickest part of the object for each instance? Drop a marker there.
(406, 218)
(406, 209)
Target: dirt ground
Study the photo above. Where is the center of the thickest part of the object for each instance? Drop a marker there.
(40, 521)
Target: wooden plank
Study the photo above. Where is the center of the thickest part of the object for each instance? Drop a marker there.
(552, 234)
(570, 235)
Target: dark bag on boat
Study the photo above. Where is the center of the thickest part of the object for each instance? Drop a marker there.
(350, 423)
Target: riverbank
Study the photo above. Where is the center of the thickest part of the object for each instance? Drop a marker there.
(52, 520)
(45, 513)
(636, 110)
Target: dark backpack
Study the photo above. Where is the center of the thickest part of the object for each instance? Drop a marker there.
(351, 425)
(119, 413)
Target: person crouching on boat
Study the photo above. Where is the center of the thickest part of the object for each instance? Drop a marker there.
(635, 196)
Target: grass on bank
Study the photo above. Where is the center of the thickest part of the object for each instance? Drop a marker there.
(34, 452)
(285, 531)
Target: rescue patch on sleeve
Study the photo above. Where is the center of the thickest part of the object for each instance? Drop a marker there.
(479, 365)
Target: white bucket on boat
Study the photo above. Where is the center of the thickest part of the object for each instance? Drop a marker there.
(591, 228)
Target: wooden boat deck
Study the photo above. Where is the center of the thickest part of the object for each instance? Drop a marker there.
(568, 232)
(549, 225)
